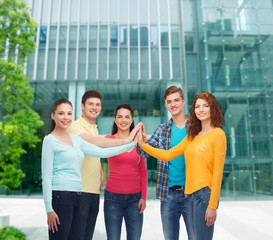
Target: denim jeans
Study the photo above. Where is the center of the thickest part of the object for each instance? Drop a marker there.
(177, 204)
(117, 207)
(200, 201)
(89, 211)
(66, 205)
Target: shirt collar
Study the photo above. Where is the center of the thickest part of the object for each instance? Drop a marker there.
(86, 124)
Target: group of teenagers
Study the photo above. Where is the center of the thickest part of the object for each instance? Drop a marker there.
(190, 151)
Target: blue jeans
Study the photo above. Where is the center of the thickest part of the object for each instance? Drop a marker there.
(200, 201)
(89, 211)
(67, 206)
(177, 204)
(119, 206)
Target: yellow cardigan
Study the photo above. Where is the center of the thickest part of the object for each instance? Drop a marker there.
(204, 158)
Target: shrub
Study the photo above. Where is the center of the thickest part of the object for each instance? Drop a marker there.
(11, 233)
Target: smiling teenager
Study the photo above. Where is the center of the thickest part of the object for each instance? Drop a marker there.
(204, 149)
(62, 157)
(126, 189)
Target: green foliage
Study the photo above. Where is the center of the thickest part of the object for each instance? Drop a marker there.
(19, 123)
(11, 233)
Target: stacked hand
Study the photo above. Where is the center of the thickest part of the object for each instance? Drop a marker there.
(140, 137)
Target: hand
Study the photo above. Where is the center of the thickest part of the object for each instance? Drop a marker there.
(136, 139)
(141, 205)
(53, 221)
(143, 133)
(210, 216)
(140, 139)
(134, 132)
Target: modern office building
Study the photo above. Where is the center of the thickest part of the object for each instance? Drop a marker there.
(132, 50)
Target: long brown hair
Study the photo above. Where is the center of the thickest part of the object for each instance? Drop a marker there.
(217, 116)
(128, 107)
(54, 108)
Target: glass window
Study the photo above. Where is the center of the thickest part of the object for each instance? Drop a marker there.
(154, 36)
(36, 9)
(30, 66)
(114, 11)
(133, 35)
(143, 18)
(144, 63)
(92, 63)
(82, 64)
(123, 70)
(51, 64)
(102, 63)
(155, 63)
(176, 63)
(93, 36)
(113, 35)
(123, 36)
(74, 11)
(54, 11)
(153, 12)
(163, 12)
(164, 35)
(133, 63)
(45, 11)
(94, 10)
(52, 37)
(103, 35)
(133, 11)
(83, 36)
(175, 35)
(123, 11)
(84, 12)
(43, 33)
(113, 63)
(103, 11)
(165, 61)
(64, 12)
(41, 64)
(144, 35)
(175, 10)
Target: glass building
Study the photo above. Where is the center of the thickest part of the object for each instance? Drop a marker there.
(132, 50)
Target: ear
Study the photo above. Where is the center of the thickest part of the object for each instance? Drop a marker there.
(52, 116)
(82, 106)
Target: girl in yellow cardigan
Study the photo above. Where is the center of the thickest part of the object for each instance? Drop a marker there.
(204, 149)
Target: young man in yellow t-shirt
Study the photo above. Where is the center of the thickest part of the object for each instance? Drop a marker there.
(92, 174)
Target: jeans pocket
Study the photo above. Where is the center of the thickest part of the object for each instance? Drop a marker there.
(137, 196)
(109, 196)
(203, 194)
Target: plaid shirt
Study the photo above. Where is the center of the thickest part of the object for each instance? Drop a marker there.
(161, 138)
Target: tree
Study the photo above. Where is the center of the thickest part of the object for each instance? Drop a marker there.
(19, 123)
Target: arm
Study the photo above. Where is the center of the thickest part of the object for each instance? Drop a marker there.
(165, 155)
(107, 142)
(220, 147)
(95, 151)
(144, 183)
(47, 173)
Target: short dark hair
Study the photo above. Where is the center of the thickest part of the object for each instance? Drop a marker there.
(173, 89)
(125, 106)
(90, 94)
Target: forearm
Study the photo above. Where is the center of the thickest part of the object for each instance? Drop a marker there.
(104, 142)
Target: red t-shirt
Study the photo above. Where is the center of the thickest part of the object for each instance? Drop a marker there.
(127, 173)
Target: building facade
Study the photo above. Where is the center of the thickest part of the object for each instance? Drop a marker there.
(132, 50)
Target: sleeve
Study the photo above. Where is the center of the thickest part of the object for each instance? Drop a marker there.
(152, 141)
(143, 177)
(47, 172)
(75, 129)
(220, 147)
(95, 151)
(166, 155)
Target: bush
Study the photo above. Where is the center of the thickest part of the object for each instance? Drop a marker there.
(11, 233)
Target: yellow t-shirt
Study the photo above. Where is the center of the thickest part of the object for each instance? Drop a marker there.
(204, 158)
(91, 166)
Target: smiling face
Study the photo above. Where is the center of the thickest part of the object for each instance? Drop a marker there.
(63, 115)
(123, 119)
(202, 110)
(174, 103)
(91, 109)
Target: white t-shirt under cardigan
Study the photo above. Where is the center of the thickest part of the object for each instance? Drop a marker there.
(61, 163)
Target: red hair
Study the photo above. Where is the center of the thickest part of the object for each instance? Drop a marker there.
(216, 114)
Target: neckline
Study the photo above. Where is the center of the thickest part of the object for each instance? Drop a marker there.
(207, 133)
(62, 141)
